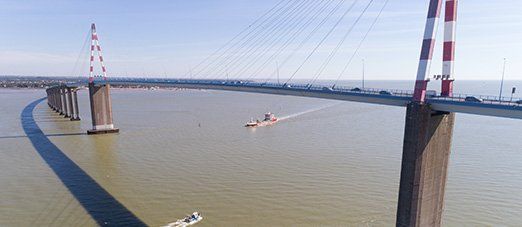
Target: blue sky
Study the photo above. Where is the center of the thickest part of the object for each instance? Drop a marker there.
(158, 38)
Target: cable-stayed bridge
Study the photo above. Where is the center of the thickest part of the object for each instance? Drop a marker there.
(487, 106)
(279, 36)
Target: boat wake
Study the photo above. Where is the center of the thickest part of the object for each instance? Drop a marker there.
(187, 221)
(270, 119)
(306, 112)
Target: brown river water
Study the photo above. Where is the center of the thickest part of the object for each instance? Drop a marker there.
(328, 163)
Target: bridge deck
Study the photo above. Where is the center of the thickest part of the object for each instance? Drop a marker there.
(457, 104)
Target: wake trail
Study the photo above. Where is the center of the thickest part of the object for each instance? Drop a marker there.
(306, 112)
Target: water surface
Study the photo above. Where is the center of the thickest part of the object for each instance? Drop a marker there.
(181, 151)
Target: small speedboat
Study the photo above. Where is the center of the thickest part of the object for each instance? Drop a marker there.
(187, 221)
(252, 123)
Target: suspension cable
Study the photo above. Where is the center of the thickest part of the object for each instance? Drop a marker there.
(278, 39)
(235, 37)
(276, 54)
(272, 31)
(255, 30)
(313, 32)
(80, 54)
(334, 52)
(362, 41)
(322, 41)
(268, 22)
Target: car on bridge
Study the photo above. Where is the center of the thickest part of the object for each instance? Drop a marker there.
(327, 89)
(356, 89)
(431, 93)
(519, 102)
(473, 99)
(385, 93)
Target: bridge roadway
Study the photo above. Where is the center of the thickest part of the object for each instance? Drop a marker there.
(488, 106)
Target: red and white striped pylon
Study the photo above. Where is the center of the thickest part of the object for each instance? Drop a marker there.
(427, 50)
(94, 41)
(448, 56)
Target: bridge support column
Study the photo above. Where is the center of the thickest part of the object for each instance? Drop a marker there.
(63, 101)
(48, 98)
(70, 110)
(57, 99)
(75, 109)
(51, 98)
(425, 157)
(67, 102)
(101, 109)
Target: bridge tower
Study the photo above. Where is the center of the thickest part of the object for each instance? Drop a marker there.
(428, 134)
(99, 93)
(448, 56)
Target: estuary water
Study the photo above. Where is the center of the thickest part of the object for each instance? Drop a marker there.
(329, 163)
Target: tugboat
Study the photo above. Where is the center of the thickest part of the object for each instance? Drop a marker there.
(269, 120)
(187, 221)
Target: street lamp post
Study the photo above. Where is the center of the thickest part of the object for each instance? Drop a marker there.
(363, 73)
(502, 81)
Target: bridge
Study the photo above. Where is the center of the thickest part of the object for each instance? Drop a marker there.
(430, 116)
(478, 105)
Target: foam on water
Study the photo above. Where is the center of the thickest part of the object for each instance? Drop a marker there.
(306, 112)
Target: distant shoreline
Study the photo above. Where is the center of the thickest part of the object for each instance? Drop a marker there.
(24, 82)
(117, 87)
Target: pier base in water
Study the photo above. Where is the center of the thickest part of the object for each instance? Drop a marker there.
(425, 157)
(102, 131)
(101, 109)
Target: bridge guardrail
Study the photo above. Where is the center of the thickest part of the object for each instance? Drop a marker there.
(372, 91)
(326, 88)
(483, 99)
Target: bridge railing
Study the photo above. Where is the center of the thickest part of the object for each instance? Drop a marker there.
(394, 92)
(326, 88)
(329, 89)
(487, 99)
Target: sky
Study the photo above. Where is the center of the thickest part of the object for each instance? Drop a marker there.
(169, 38)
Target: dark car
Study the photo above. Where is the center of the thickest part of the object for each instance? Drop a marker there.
(327, 89)
(431, 93)
(356, 89)
(519, 102)
(385, 93)
(472, 99)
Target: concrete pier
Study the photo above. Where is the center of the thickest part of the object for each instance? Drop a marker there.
(75, 109)
(68, 100)
(101, 109)
(63, 105)
(55, 94)
(53, 98)
(425, 157)
(64, 100)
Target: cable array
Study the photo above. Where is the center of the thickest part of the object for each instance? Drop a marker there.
(290, 32)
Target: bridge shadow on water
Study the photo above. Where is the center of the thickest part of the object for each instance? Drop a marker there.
(101, 206)
(48, 135)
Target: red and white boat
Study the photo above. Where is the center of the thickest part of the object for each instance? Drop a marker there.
(268, 120)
